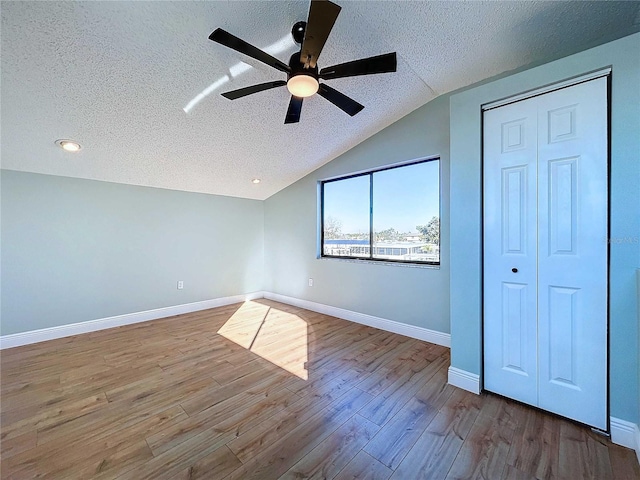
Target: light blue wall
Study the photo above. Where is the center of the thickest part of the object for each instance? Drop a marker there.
(416, 296)
(76, 250)
(624, 57)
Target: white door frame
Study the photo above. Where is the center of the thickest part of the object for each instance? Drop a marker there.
(605, 72)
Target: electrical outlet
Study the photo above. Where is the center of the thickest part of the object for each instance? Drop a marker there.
(311, 282)
(180, 284)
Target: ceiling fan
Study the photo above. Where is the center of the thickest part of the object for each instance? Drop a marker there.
(302, 71)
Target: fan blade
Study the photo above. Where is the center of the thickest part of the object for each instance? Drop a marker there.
(239, 45)
(243, 92)
(322, 16)
(293, 112)
(340, 100)
(366, 66)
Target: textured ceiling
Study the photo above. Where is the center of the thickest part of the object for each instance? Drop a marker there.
(118, 76)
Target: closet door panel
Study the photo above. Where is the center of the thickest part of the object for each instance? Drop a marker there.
(572, 244)
(510, 251)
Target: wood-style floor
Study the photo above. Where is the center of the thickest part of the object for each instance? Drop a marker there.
(263, 390)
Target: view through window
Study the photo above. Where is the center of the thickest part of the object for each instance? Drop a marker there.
(390, 214)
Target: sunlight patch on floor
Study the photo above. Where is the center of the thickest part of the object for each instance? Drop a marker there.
(277, 336)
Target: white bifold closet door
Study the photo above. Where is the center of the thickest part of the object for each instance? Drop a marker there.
(545, 251)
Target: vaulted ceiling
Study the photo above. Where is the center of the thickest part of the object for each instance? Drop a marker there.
(138, 83)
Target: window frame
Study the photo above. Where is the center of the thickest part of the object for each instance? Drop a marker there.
(370, 245)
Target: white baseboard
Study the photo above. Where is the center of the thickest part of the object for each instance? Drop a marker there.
(465, 380)
(626, 434)
(35, 336)
(412, 331)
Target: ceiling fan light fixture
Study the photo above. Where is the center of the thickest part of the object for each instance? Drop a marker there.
(302, 85)
(302, 71)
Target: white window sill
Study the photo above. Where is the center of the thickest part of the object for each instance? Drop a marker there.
(381, 262)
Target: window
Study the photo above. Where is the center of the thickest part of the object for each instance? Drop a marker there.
(391, 214)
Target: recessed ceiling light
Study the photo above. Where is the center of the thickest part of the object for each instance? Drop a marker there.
(68, 145)
(255, 180)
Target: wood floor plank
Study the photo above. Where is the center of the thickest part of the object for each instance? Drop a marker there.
(246, 386)
(340, 343)
(105, 464)
(395, 396)
(327, 381)
(581, 455)
(92, 460)
(276, 459)
(16, 444)
(218, 464)
(624, 463)
(261, 390)
(113, 378)
(364, 467)
(484, 451)
(113, 417)
(142, 426)
(162, 384)
(246, 411)
(434, 452)
(174, 461)
(252, 442)
(367, 357)
(64, 452)
(332, 454)
(396, 438)
(535, 445)
(512, 473)
(23, 387)
(392, 371)
(43, 417)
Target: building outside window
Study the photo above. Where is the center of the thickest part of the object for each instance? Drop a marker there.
(389, 214)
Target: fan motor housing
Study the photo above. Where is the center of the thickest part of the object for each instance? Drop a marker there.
(298, 68)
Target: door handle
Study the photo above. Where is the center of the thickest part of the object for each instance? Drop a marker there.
(514, 270)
